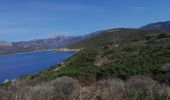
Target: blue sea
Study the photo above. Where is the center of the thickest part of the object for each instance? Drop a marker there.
(13, 66)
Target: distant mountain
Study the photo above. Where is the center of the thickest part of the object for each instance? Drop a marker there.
(5, 43)
(159, 25)
(39, 44)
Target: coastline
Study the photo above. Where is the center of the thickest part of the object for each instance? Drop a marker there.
(27, 52)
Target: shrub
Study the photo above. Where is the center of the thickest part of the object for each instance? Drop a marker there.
(40, 92)
(162, 36)
(5, 95)
(113, 89)
(136, 88)
(89, 92)
(66, 89)
(141, 87)
(19, 87)
(140, 83)
(60, 89)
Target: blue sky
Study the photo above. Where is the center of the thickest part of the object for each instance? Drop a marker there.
(33, 19)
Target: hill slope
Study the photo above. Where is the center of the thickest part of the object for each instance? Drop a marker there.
(117, 36)
(159, 25)
(118, 53)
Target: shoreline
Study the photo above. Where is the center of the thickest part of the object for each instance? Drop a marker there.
(27, 52)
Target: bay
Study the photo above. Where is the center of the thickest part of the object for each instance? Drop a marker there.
(15, 65)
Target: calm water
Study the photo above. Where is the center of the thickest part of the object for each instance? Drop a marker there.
(13, 66)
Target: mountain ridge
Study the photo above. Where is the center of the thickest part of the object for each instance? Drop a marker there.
(158, 25)
(56, 41)
(38, 44)
(5, 43)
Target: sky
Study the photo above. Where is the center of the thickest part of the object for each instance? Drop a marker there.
(22, 20)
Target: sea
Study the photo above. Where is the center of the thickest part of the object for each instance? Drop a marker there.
(15, 65)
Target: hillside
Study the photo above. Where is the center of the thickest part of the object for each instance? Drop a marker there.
(119, 53)
(121, 64)
(158, 25)
(117, 36)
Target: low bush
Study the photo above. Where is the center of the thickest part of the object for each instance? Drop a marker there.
(144, 88)
(60, 89)
(135, 88)
(6, 95)
(65, 88)
(40, 92)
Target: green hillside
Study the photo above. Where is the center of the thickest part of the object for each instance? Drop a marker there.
(118, 53)
(116, 36)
